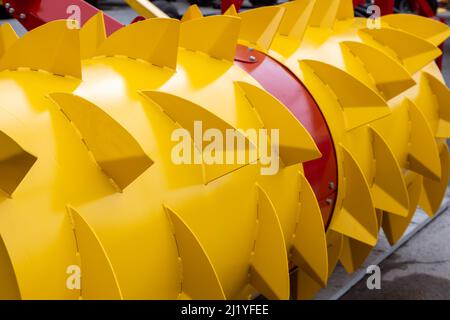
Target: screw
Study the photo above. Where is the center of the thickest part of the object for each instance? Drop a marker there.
(329, 201)
(250, 49)
(7, 5)
(22, 16)
(11, 10)
(252, 58)
(331, 185)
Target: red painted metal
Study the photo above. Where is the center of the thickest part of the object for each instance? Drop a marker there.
(423, 8)
(386, 6)
(359, 2)
(321, 173)
(33, 13)
(227, 3)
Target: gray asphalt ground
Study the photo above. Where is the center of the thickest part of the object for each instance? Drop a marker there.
(418, 270)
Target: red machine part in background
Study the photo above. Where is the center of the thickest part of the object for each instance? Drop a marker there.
(227, 3)
(34, 13)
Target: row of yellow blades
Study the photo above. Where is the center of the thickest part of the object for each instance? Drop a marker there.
(87, 177)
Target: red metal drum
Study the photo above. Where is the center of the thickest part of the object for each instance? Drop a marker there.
(321, 173)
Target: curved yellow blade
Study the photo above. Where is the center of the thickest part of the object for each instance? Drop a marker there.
(55, 48)
(269, 271)
(413, 52)
(9, 290)
(389, 189)
(295, 19)
(15, 163)
(353, 254)
(152, 40)
(259, 26)
(324, 13)
(115, 150)
(92, 35)
(195, 119)
(199, 280)
(431, 30)
(296, 144)
(395, 226)
(376, 69)
(310, 243)
(231, 11)
(436, 99)
(360, 104)
(216, 36)
(193, 12)
(423, 153)
(98, 280)
(7, 37)
(355, 217)
(346, 10)
(307, 287)
(433, 191)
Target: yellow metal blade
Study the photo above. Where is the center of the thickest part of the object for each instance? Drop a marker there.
(259, 26)
(15, 163)
(429, 29)
(388, 191)
(353, 254)
(433, 191)
(310, 243)
(146, 9)
(115, 150)
(269, 271)
(9, 290)
(355, 217)
(295, 19)
(193, 12)
(325, 13)
(346, 10)
(435, 106)
(376, 69)
(215, 36)
(296, 144)
(152, 40)
(360, 104)
(186, 113)
(231, 11)
(55, 48)
(98, 280)
(307, 287)
(7, 37)
(395, 226)
(92, 35)
(423, 155)
(199, 278)
(413, 52)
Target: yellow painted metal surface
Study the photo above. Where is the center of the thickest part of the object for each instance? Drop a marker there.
(87, 124)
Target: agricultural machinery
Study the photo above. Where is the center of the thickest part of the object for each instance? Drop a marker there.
(99, 123)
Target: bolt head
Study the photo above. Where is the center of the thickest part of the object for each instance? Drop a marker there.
(332, 185)
(22, 16)
(11, 10)
(252, 58)
(329, 201)
(7, 5)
